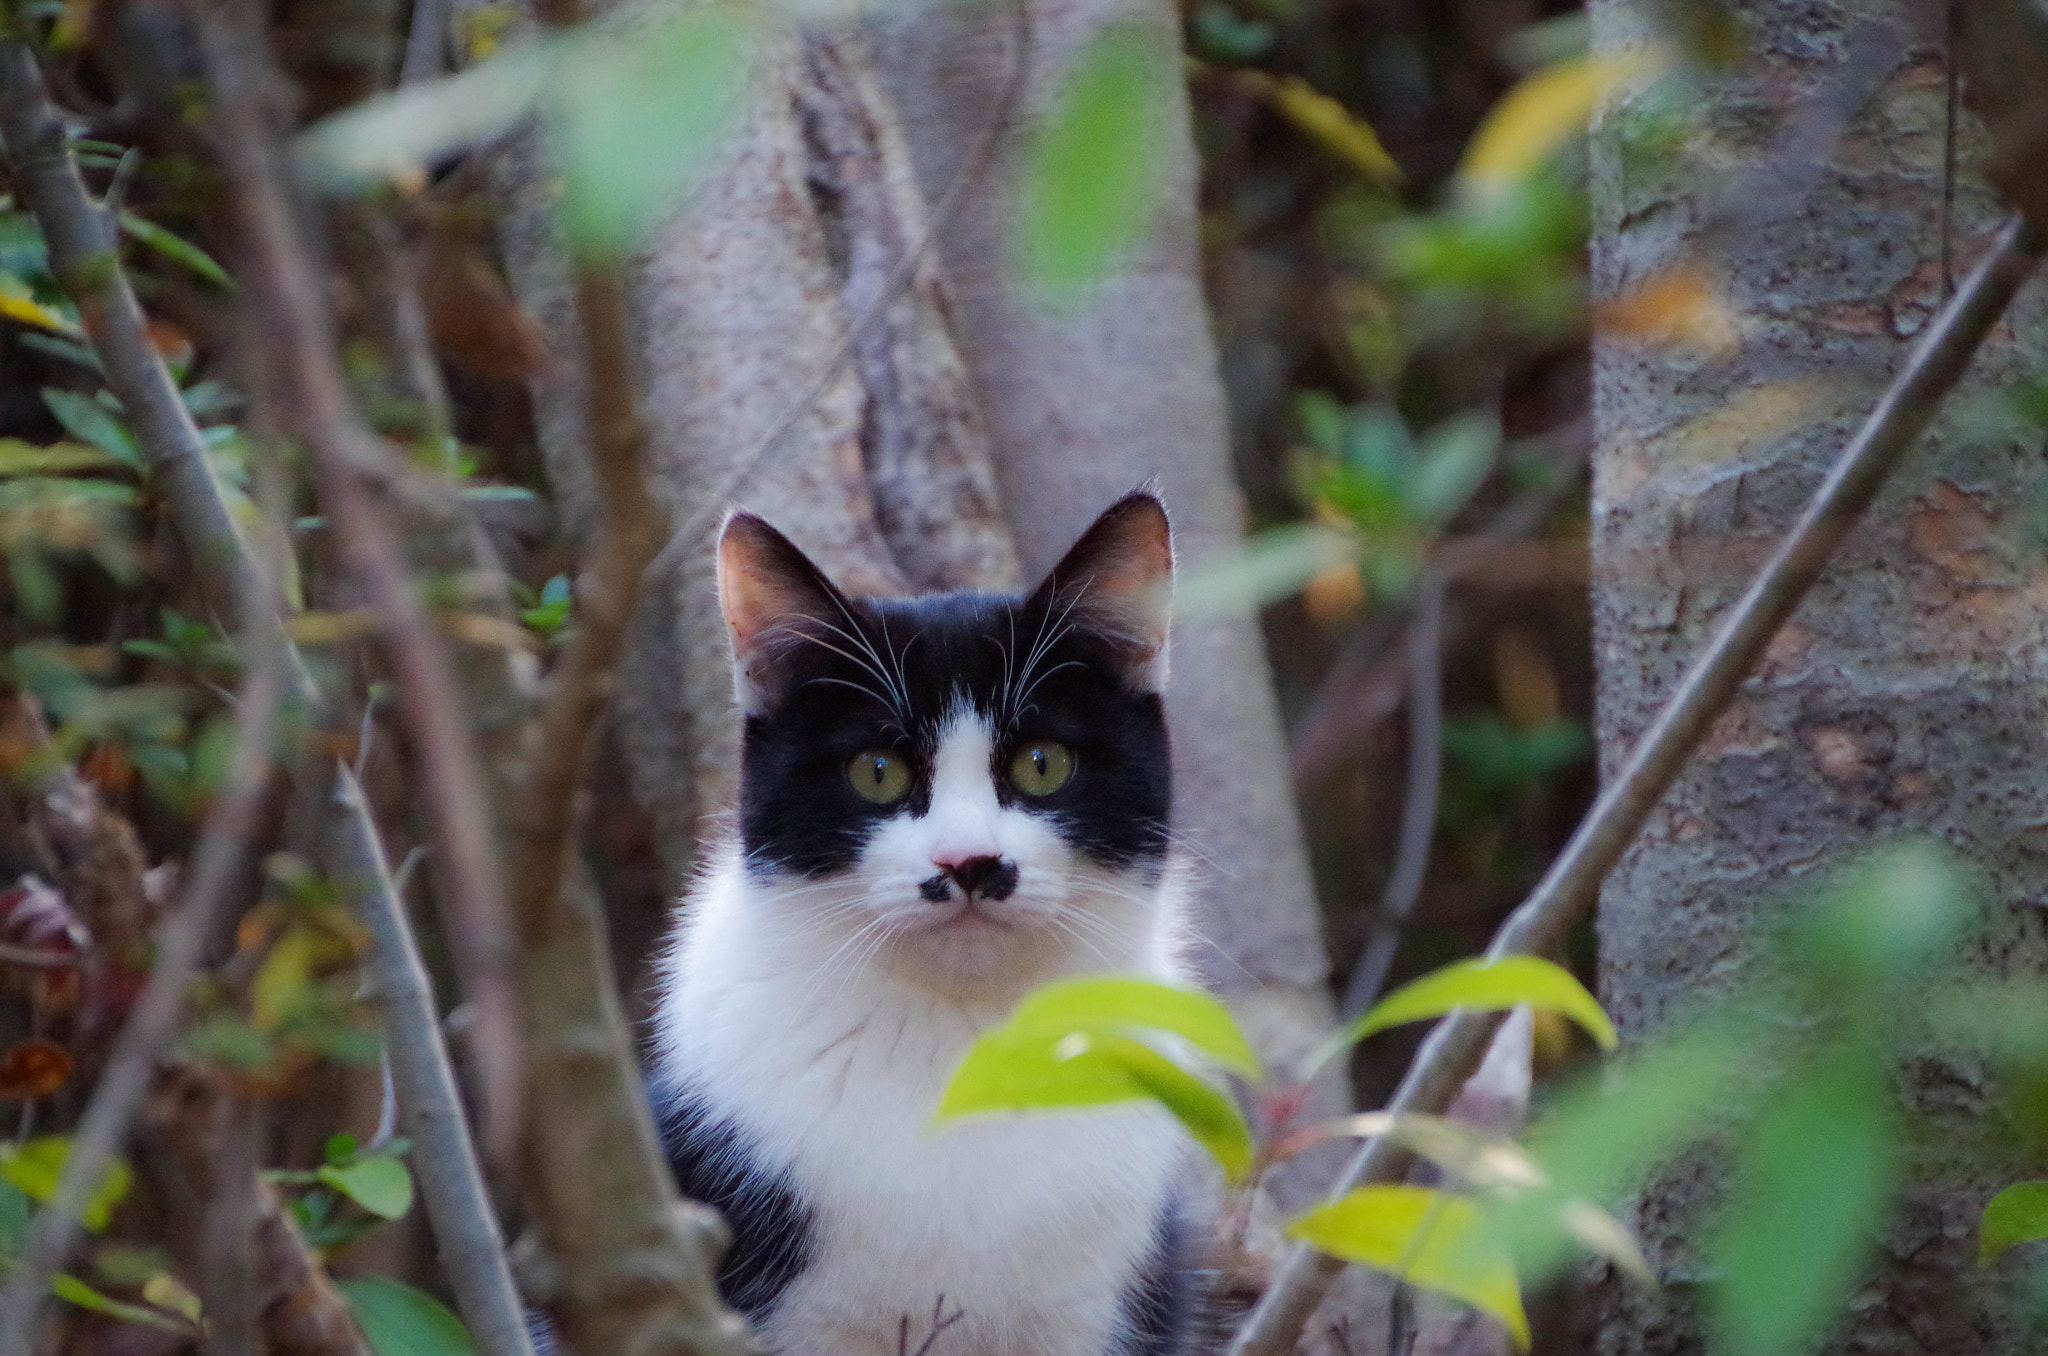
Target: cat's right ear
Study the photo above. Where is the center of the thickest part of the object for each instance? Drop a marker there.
(772, 596)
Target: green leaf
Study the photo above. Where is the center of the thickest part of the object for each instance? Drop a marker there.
(18, 458)
(1111, 1003)
(398, 1320)
(1091, 176)
(635, 110)
(36, 1166)
(1271, 566)
(380, 1184)
(1811, 1184)
(87, 420)
(395, 138)
(2016, 1215)
(176, 249)
(14, 1218)
(1477, 983)
(284, 975)
(1599, 1139)
(1889, 914)
(1456, 455)
(1043, 1070)
(74, 1291)
(1429, 1238)
(1207, 1111)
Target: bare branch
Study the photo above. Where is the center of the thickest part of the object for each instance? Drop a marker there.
(282, 278)
(1418, 809)
(1454, 1049)
(466, 1229)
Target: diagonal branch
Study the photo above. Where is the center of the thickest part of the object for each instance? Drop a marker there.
(302, 345)
(1455, 1048)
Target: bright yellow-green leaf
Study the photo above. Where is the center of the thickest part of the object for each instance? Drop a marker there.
(166, 1291)
(29, 311)
(175, 248)
(1336, 127)
(36, 1166)
(1479, 983)
(283, 977)
(1091, 176)
(74, 1291)
(1540, 114)
(1008, 1071)
(378, 1183)
(1112, 1002)
(2016, 1215)
(1429, 1238)
(1206, 1110)
(1040, 1070)
(1484, 1160)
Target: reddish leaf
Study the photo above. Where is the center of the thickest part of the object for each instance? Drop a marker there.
(33, 1068)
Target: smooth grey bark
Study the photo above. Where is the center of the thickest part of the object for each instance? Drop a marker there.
(1086, 403)
(1905, 694)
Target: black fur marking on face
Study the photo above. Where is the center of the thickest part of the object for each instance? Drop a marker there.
(890, 675)
(716, 1161)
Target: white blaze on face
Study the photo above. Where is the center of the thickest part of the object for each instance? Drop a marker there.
(965, 820)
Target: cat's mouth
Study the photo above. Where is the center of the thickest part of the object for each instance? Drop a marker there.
(964, 916)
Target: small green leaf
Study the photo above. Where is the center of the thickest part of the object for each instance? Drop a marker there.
(2016, 1215)
(87, 420)
(635, 110)
(1478, 983)
(74, 1291)
(398, 1320)
(1110, 1003)
(175, 248)
(1429, 1238)
(284, 975)
(1270, 566)
(1092, 173)
(166, 1291)
(18, 458)
(379, 1184)
(14, 1218)
(1811, 1184)
(36, 1166)
(396, 137)
(1456, 455)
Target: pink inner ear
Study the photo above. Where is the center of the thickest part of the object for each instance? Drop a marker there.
(763, 581)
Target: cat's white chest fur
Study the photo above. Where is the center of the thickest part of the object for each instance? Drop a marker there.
(1029, 1227)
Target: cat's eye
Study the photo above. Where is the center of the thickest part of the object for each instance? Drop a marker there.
(1041, 767)
(879, 776)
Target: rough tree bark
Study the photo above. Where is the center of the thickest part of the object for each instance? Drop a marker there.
(1904, 695)
(764, 387)
(1085, 403)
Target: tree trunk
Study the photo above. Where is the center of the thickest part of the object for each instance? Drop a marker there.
(1905, 694)
(1084, 404)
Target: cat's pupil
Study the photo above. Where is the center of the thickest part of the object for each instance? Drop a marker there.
(1038, 760)
(880, 770)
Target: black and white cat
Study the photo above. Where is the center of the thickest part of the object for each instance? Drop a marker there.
(945, 802)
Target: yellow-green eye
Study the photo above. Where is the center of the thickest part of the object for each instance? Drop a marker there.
(879, 776)
(1041, 767)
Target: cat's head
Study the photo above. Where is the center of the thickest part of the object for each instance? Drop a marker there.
(976, 782)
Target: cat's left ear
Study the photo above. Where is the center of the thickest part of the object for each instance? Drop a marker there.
(1117, 584)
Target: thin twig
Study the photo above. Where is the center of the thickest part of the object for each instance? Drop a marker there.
(281, 276)
(472, 1248)
(1418, 809)
(35, 959)
(1457, 1045)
